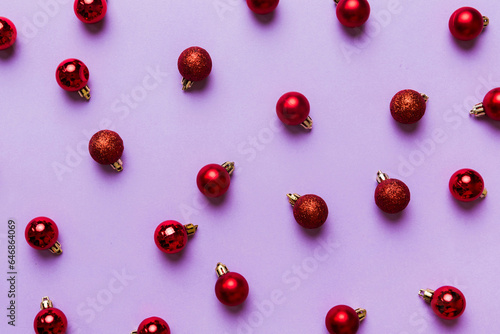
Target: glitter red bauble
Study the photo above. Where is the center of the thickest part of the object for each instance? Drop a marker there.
(262, 6)
(353, 13)
(41, 233)
(153, 325)
(408, 106)
(213, 180)
(90, 11)
(194, 64)
(448, 302)
(292, 108)
(491, 104)
(50, 321)
(466, 23)
(8, 33)
(171, 237)
(310, 211)
(106, 147)
(466, 185)
(231, 289)
(342, 319)
(392, 195)
(72, 75)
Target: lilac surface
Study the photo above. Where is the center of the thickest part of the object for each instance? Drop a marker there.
(361, 257)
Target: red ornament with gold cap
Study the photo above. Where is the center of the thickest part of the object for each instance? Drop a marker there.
(447, 302)
(343, 319)
(467, 23)
(50, 320)
(72, 75)
(490, 105)
(310, 211)
(213, 180)
(467, 185)
(106, 148)
(293, 108)
(194, 64)
(231, 288)
(408, 106)
(352, 13)
(90, 11)
(41, 233)
(391, 195)
(8, 33)
(171, 236)
(153, 325)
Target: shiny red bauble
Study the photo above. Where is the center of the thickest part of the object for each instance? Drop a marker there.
(153, 325)
(41, 233)
(194, 64)
(90, 11)
(447, 302)
(171, 236)
(467, 185)
(491, 104)
(106, 148)
(293, 109)
(310, 211)
(408, 106)
(8, 33)
(467, 23)
(72, 75)
(213, 180)
(50, 320)
(391, 195)
(231, 288)
(342, 319)
(262, 6)
(353, 13)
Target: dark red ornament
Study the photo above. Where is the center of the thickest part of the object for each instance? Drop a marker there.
(231, 288)
(153, 325)
(90, 11)
(293, 109)
(213, 180)
(262, 7)
(194, 64)
(342, 319)
(171, 236)
(467, 185)
(310, 211)
(447, 302)
(467, 23)
(106, 148)
(408, 106)
(50, 320)
(41, 233)
(352, 13)
(73, 75)
(391, 195)
(8, 33)
(490, 105)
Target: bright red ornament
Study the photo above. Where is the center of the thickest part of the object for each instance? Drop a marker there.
(41, 233)
(171, 236)
(490, 105)
(447, 302)
(391, 195)
(467, 23)
(352, 13)
(153, 325)
(73, 75)
(310, 211)
(106, 147)
(342, 319)
(231, 288)
(194, 64)
(467, 185)
(293, 109)
(408, 106)
(262, 6)
(8, 33)
(213, 180)
(90, 11)
(50, 320)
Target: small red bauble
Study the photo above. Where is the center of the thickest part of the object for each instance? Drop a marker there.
(171, 236)
(41, 233)
(391, 195)
(153, 325)
(90, 11)
(194, 64)
(310, 211)
(50, 320)
(8, 33)
(73, 75)
(352, 13)
(262, 6)
(490, 105)
(231, 288)
(342, 319)
(467, 185)
(447, 302)
(467, 23)
(293, 109)
(106, 148)
(408, 106)
(213, 180)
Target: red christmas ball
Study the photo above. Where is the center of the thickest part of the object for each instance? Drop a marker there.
(466, 23)
(8, 33)
(262, 6)
(171, 236)
(448, 302)
(391, 195)
(213, 180)
(153, 325)
(293, 108)
(231, 288)
(106, 148)
(491, 104)
(194, 64)
(466, 185)
(90, 11)
(353, 13)
(342, 319)
(310, 211)
(408, 106)
(72, 75)
(50, 321)
(41, 233)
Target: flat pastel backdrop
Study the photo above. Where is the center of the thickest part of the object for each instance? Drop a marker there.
(111, 275)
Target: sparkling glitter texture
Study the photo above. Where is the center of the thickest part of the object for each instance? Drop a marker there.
(392, 195)
(310, 211)
(262, 7)
(41, 233)
(448, 302)
(491, 104)
(342, 319)
(106, 147)
(153, 325)
(171, 237)
(408, 106)
(466, 185)
(292, 108)
(194, 64)
(8, 33)
(72, 75)
(90, 11)
(231, 289)
(353, 13)
(50, 321)
(466, 23)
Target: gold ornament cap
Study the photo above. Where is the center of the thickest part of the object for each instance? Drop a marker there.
(56, 249)
(292, 198)
(361, 312)
(426, 294)
(381, 176)
(191, 229)
(46, 303)
(228, 166)
(221, 269)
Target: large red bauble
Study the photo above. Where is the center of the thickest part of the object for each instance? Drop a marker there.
(392, 195)
(408, 106)
(72, 75)
(153, 325)
(231, 289)
(466, 185)
(106, 147)
(466, 23)
(491, 104)
(353, 13)
(310, 211)
(50, 321)
(194, 64)
(342, 319)
(8, 33)
(262, 6)
(171, 237)
(41, 233)
(448, 302)
(213, 180)
(292, 108)
(90, 11)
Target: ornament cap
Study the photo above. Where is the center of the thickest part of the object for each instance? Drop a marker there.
(118, 165)
(191, 229)
(426, 294)
(336, 1)
(478, 110)
(381, 176)
(361, 312)
(56, 249)
(228, 166)
(486, 21)
(292, 198)
(85, 92)
(425, 97)
(46, 303)
(221, 269)
(186, 84)
(307, 124)
(134, 332)
(484, 193)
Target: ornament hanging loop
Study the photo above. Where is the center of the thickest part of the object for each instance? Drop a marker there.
(361, 312)
(381, 176)
(426, 294)
(292, 198)
(486, 21)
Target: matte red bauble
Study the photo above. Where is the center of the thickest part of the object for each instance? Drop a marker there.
(467, 185)
(490, 105)
(310, 211)
(408, 106)
(213, 180)
(50, 320)
(293, 109)
(467, 23)
(194, 64)
(171, 236)
(342, 319)
(153, 325)
(391, 195)
(8, 33)
(41, 233)
(352, 13)
(73, 75)
(447, 302)
(262, 6)
(231, 288)
(106, 148)
(90, 11)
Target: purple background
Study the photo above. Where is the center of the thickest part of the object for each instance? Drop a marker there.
(361, 257)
